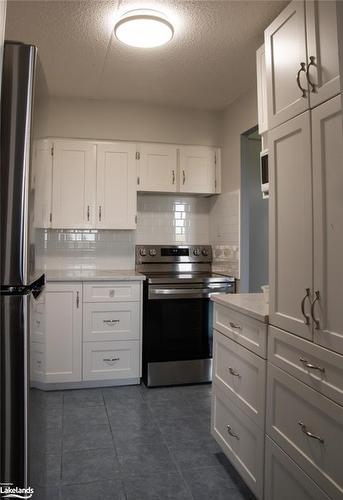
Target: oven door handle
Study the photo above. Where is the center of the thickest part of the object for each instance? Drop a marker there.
(155, 293)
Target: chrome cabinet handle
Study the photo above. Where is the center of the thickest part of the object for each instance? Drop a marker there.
(309, 434)
(311, 366)
(88, 212)
(77, 299)
(233, 325)
(302, 68)
(110, 360)
(316, 321)
(111, 321)
(173, 171)
(99, 213)
(233, 372)
(183, 177)
(311, 63)
(306, 316)
(230, 431)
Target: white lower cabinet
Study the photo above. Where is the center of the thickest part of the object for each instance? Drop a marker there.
(108, 360)
(284, 480)
(308, 427)
(240, 438)
(83, 332)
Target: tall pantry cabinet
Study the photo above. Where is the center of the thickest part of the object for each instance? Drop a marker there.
(304, 414)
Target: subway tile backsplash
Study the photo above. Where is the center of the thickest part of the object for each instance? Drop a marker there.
(161, 219)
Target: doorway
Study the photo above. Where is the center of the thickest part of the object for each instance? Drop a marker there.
(254, 216)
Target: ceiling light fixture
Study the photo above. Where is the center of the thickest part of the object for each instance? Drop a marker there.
(144, 29)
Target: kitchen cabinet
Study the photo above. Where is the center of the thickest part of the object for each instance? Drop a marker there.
(285, 480)
(63, 332)
(73, 186)
(327, 157)
(42, 183)
(302, 65)
(305, 271)
(261, 90)
(197, 169)
(157, 168)
(116, 195)
(290, 226)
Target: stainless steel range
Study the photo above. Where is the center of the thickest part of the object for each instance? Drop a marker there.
(177, 312)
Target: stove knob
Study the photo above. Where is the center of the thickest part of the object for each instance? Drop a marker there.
(142, 252)
(196, 252)
(152, 252)
(205, 252)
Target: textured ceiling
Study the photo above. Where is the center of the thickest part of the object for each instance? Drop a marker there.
(209, 62)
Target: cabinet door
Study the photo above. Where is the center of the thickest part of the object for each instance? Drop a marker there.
(285, 45)
(197, 169)
(74, 178)
(63, 332)
(116, 186)
(42, 183)
(157, 168)
(290, 226)
(285, 480)
(261, 90)
(327, 147)
(322, 48)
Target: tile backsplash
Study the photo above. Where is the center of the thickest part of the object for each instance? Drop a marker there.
(162, 219)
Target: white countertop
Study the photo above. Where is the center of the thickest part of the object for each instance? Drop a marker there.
(250, 304)
(93, 275)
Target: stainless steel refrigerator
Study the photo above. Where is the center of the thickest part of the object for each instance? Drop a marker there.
(18, 282)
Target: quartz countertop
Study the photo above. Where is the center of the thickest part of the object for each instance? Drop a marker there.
(250, 304)
(93, 275)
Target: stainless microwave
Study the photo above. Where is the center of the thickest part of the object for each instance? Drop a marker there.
(264, 173)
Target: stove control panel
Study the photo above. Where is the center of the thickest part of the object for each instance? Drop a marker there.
(173, 253)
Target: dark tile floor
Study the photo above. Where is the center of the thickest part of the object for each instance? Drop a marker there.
(128, 443)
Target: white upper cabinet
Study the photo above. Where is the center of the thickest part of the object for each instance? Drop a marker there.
(42, 183)
(290, 216)
(157, 167)
(74, 184)
(197, 169)
(327, 160)
(285, 45)
(116, 191)
(302, 65)
(322, 48)
(261, 91)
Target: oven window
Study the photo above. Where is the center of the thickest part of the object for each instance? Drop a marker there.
(177, 329)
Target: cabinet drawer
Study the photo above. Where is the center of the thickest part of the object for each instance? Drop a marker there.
(37, 322)
(111, 321)
(241, 440)
(37, 361)
(293, 411)
(111, 292)
(317, 367)
(285, 480)
(242, 375)
(247, 331)
(110, 360)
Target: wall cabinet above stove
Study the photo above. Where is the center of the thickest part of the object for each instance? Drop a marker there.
(81, 184)
(167, 168)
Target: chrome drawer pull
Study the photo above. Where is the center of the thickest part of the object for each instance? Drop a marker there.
(110, 360)
(111, 321)
(233, 372)
(311, 366)
(306, 316)
(316, 321)
(233, 325)
(229, 429)
(309, 434)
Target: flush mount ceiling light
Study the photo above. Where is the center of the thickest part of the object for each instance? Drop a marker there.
(144, 29)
